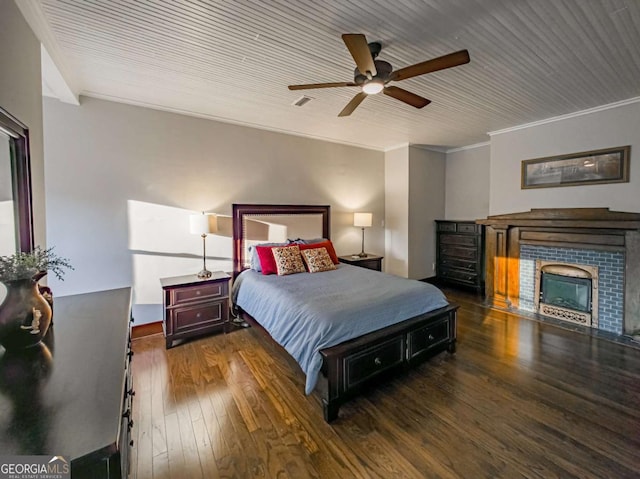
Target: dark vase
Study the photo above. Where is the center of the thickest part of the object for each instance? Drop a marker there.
(25, 315)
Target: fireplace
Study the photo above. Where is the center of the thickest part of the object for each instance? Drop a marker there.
(567, 291)
(599, 237)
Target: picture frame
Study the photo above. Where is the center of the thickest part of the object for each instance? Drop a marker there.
(610, 165)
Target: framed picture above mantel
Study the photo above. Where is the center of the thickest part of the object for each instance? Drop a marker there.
(610, 165)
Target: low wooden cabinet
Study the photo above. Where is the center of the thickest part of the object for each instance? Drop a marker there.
(71, 395)
(460, 254)
(194, 306)
(370, 261)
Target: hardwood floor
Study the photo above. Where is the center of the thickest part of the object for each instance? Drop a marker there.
(520, 398)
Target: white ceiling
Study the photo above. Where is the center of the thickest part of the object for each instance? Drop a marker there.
(232, 60)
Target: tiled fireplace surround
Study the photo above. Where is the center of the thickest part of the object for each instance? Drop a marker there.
(586, 236)
(610, 266)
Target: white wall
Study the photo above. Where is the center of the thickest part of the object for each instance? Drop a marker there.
(414, 198)
(467, 183)
(396, 181)
(122, 180)
(592, 131)
(426, 204)
(21, 96)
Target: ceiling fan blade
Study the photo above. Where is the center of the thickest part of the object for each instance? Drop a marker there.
(359, 49)
(320, 85)
(440, 63)
(406, 96)
(353, 104)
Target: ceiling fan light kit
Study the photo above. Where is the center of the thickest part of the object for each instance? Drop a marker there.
(372, 75)
(372, 87)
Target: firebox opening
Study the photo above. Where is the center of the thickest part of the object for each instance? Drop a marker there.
(566, 291)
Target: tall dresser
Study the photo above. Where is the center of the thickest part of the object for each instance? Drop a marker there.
(71, 395)
(460, 254)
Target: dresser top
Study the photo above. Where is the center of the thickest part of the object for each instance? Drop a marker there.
(64, 395)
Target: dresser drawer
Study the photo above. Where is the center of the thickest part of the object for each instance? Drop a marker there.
(451, 227)
(372, 361)
(458, 263)
(468, 228)
(461, 240)
(428, 337)
(458, 252)
(468, 277)
(199, 293)
(190, 318)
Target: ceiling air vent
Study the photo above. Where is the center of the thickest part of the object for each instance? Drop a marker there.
(304, 99)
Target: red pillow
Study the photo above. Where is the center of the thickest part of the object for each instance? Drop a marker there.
(325, 244)
(267, 261)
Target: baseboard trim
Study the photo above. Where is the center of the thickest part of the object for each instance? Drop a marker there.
(148, 329)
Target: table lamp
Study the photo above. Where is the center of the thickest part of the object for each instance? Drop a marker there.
(363, 220)
(203, 225)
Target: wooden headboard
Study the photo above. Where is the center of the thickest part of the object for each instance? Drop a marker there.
(243, 212)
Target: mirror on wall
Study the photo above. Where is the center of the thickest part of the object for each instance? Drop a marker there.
(8, 237)
(16, 222)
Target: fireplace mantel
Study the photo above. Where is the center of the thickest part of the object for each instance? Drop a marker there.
(585, 228)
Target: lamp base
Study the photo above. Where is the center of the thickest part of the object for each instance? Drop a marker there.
(362, 255)
(205, 273)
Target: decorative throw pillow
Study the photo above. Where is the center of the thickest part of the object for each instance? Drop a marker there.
(267, 262)
(288, 260)
(317, 260)
(325, 244)
(254, 258)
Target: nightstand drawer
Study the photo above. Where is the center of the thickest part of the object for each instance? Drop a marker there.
(373, 361)
(196, 317)
(199, 293)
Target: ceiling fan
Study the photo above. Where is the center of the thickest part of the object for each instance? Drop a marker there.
(372, 75)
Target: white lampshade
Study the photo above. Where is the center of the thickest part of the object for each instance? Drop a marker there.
(363, 220)
(203, 224)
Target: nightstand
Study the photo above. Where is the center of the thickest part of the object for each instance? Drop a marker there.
(194, 306)
(370, 261)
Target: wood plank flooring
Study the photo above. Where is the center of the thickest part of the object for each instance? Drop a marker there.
(520, 398)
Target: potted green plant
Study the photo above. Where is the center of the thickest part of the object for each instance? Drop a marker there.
(25, 315)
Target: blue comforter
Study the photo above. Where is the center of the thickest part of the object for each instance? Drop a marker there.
(307, 312)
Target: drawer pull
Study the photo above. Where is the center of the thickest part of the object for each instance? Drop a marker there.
(131, 443)
(130, 425)
(131, 392)
(377, 361)
(130, 354)
(127, 413)
(431, 338)
(198, 293)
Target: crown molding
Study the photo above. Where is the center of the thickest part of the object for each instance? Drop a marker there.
(469, 147)
(568, 116)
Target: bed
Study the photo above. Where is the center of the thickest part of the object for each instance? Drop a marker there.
(348, 328)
